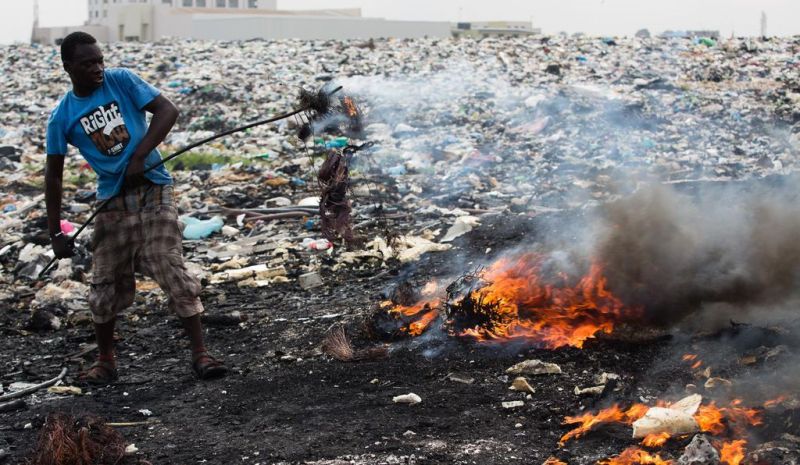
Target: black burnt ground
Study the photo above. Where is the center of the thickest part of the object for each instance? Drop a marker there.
(287, 402)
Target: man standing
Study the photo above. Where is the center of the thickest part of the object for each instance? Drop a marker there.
(104, 117)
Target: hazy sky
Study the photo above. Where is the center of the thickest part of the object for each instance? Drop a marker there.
(601, 17)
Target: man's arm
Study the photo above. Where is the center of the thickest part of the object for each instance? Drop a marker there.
(53, 176)
(164, 116)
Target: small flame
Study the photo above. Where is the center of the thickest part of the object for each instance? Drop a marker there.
(553, 461)
(635, 455)
(697, 363)
(656, 439)
(775, 402)
(424, 312)
(350, 107)
(589, 421)
(716, 420)
(732, 452)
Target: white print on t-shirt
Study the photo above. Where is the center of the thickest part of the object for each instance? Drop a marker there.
(106, 129)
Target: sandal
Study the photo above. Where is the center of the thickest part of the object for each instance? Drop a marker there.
(100, 373)
(207, 367)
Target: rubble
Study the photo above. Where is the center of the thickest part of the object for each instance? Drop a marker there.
(534, 367)
(310, 280)
(699, 452)
(521, 384)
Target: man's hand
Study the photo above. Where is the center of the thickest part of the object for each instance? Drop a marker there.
(134, 175)
(62, 246)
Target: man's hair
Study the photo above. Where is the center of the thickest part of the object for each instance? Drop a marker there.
(71, 42)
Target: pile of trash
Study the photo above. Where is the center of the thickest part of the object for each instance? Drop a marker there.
(462, 128)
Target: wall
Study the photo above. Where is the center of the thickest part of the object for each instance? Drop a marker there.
(224, 27)
(49, 35)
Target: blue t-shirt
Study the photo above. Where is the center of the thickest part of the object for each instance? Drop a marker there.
(106, 127)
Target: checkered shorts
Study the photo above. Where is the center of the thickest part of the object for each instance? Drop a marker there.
(138, 232)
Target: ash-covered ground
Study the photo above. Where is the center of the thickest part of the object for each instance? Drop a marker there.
(668, 161)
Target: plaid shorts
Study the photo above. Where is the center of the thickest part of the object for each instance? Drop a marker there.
(138, 232)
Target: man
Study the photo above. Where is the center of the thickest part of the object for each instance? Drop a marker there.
(104, 117)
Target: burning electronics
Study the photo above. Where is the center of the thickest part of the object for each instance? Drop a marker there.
(518, 297)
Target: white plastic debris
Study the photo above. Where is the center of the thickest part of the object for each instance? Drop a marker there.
(259, 272)
(462, 225)
(534, 367)
(230, 231)
(411, 399)
(675, 419)
(513, 404)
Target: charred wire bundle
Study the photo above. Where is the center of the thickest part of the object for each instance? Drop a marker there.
(338, 346)
(327, 114)
(334, 206)
(338, 116)
(65, 440)
(467, 307)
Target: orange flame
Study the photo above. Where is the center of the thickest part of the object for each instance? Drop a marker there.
(350, 106)
(692, 358)
(732, 452)
(716, 420)
(425, 311)
(553, 315)
(589, 421)
(553, 461)
(656, 439)
(775, 402)
(524, 306)
(635, 455)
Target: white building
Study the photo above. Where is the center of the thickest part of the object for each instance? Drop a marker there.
(494, 28)
(151, 20)
(98, 9)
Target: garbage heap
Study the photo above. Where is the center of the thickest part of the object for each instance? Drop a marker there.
(462, 128)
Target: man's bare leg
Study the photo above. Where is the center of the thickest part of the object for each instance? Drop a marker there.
(105, 369)
(194, 329)
(205, 366)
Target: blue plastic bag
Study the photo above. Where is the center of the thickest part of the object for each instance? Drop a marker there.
(200, 229)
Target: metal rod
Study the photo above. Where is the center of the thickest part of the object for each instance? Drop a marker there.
(35, 388)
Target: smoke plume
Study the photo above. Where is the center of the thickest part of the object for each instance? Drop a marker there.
(724, 252)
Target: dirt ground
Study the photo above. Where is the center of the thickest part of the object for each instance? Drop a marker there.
(287, 402)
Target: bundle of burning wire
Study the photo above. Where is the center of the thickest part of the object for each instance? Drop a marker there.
(340, 116)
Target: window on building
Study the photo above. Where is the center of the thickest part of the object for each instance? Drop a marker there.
(187, 3)
(220, 3)
(233, 3)
(200, 3)
(166, 2)
(105, 13)
(252, 3)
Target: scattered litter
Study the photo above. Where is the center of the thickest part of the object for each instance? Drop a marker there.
(676, 419)
(521, 384)
(199, 229)
(410, 399)
(534, 367)
(513, 404)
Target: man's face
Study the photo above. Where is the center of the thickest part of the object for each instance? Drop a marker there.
(86, 67)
